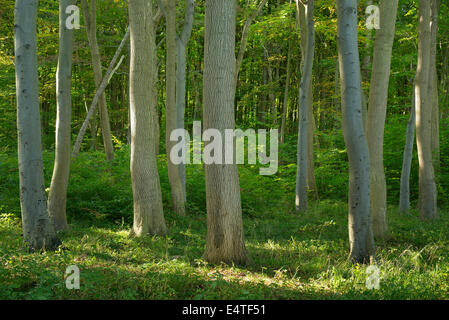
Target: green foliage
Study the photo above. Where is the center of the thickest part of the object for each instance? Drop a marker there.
(295, 257)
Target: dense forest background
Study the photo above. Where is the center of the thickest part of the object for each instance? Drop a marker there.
(260, 90)
(289, 248)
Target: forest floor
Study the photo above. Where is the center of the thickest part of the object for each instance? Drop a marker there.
(294, 256)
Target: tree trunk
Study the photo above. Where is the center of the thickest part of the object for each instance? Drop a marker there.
(59, 182)
(359, 221)
(181, 43)
(262, 106)
(287, 84)
(225, 239)
(170, 108)
(308, 32)
(91, 29)
(303, 28)
(37, 228)
(433, 85)
(148, 211)
(404, 197)
(336, 93)
(377, 110)
(366, 70)
(100, 90)
(427, 186)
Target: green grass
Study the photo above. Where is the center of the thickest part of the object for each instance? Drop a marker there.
(295, 256)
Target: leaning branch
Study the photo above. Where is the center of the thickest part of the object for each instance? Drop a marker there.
(104, 83)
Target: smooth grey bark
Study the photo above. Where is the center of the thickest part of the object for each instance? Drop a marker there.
(404, 195)
(171, 114)
(181, 45)
(58, 188)
(303, 111)
(90, 18)
(100, 90)
(361, 240)
(303, 29)
(147, 196)
(37, 228)
(225, 238)
(427, 186)
(366, 70)
(377, 111)
(433, 84)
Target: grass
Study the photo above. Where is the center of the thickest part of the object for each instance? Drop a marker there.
(295, 256)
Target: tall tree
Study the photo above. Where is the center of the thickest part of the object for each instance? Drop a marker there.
(90, 17)
(37, 228)
(302, 22)
(174, 175)
(377, 110)
(58, 189)
(360, 234)
(148, 211)
(181, 45)
(404, 195)
(433, 84)
(427, 186)
(304, 105)
(225, 239)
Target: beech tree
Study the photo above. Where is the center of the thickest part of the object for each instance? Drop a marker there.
(377, 110)
(305, 102)
(90, 17)
(59, 182)
(427, 186)
(148, 211)
(37, 228)
(181, 65)
(433, 84)
(171, 115)
(360, 234)
(404, 195)
(302, 22)
(225, 239)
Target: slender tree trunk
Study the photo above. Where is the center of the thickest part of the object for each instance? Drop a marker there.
(170, 108)
(269, 115)
(404, 197)
(37, 228)
(225, 238)
(366, 70)
(59, 182)
(91, 29)
(433, 85)
(427, 186)
(305, 101)
(100, 90)
(287, 84)
(262, 106)
(377, 111)
(302, 22)
(148, 211)
(311, 137)
(337, 93)
(181, 44)
(359, 221)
